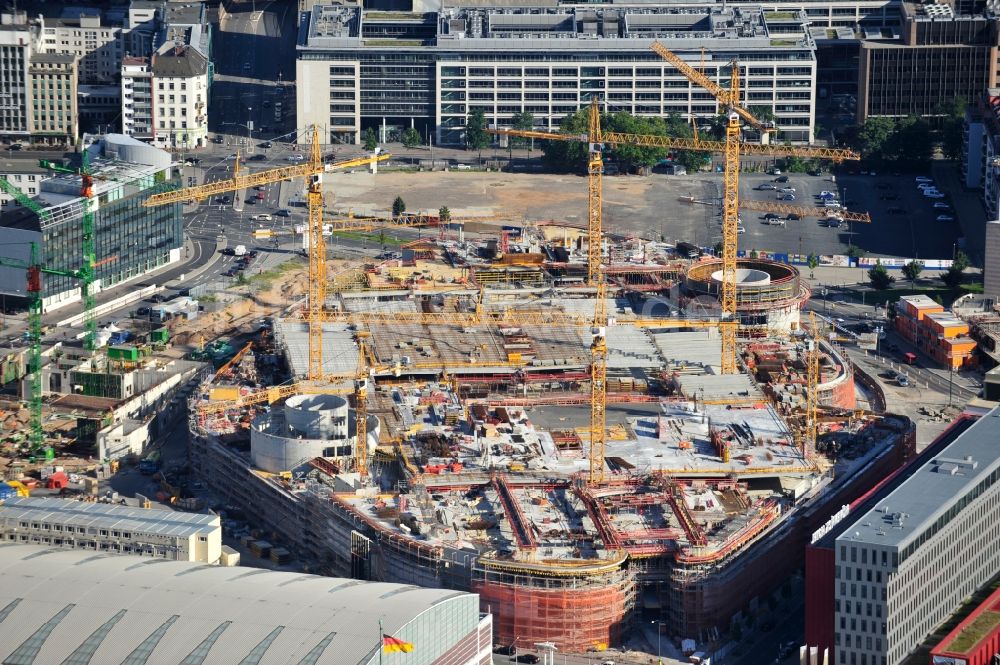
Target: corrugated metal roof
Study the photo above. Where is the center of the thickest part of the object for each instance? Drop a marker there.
(107, 516)
(44, 582)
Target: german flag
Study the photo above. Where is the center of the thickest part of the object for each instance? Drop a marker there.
(392, 644)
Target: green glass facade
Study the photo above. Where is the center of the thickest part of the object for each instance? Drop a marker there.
(129, 240)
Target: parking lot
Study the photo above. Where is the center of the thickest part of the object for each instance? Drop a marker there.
(904, 221)
(654, 207)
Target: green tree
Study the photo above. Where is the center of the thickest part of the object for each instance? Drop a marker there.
(398, 206)
(879, 277)
(411, 138)
(762, 113)
(813, 262)
(952, 127)
(444, 214)
(961, 261)
(381, 238)
(371, 141)
(873, 137)
(476, 137)
(523, 121)
(912, 144)
(912, 270)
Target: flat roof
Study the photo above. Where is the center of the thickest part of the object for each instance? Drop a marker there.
(108, 516)
(932, 490)
(983, 622)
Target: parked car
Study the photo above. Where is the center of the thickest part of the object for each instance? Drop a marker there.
(283, 213)
(765, 186)
(945, 218)
(257, 158)
(826, 194)
(923, 178)
(787, 190)
(941, 205)
(783, 178)
(902, 380)
(775, 221)
(265, 144)
(295, 157)
(787, 197)
(772, 215)
(775, 171)
(793, 217)
(896, 210)
(889, 197)
(934, 195)
(263, 217)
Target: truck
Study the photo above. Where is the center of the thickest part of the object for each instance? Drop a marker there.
(239, 250)
(150, 464)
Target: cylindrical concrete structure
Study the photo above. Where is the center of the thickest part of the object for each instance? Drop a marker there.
(317, 416)
(306, 427)
(769, 294)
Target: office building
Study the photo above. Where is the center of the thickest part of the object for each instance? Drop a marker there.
(111, 528)
(78, 607)
(15, 57)
(130, 240)
(936, 58)
(358, 69)
(54, 110)
(904, 563)
(95, 41)
(991, 263)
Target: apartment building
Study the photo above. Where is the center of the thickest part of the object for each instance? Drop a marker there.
(95, 40)
(15, 90)
(358, 69)
(180, 106)
(137, 98)
(112, 529)
(902, 567)
(54, 99)
(938, 333)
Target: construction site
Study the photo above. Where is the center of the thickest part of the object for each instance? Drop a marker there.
(587, 430)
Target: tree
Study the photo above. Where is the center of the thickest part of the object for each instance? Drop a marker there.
(912, 270)
(762, 113)
(813, 263)
(381, 238)
(476, 137)
(961, 261)
(371, 141)
(444, 214)
(873, 137)
(523, 121)
(412, 138)
(398, 206)
(954, 275)
(880, 277)
(952, 127)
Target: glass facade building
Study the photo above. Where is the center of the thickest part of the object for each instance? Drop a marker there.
(129, 240)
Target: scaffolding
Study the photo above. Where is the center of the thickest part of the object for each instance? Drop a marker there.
(578, 606)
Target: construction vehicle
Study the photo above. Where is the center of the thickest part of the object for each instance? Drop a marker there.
(312, 170)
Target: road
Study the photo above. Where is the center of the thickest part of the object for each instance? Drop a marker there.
(254, 52)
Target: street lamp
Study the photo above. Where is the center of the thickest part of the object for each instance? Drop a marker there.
(824, 292)
(659, 631)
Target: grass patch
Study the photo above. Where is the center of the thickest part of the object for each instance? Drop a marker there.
(394, 15)
(779, 16)
(264, 279)
(974, 632)
(783, 42)
(945, 294)
(395, 42)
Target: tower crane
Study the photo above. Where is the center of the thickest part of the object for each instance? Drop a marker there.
(312, 171)
(729, 99)
(805, 211)
(35, 271)
(731, 148)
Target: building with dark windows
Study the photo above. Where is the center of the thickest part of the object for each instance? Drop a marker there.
(80, 606)
(359, 69)
(938, 56)
(894, 566)
(130, 240)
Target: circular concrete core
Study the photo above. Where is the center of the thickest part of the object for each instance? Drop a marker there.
(745, 277)
(317, 416)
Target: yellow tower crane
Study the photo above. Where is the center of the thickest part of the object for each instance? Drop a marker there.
(729, 99)
(731, 148)
(312, 171)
